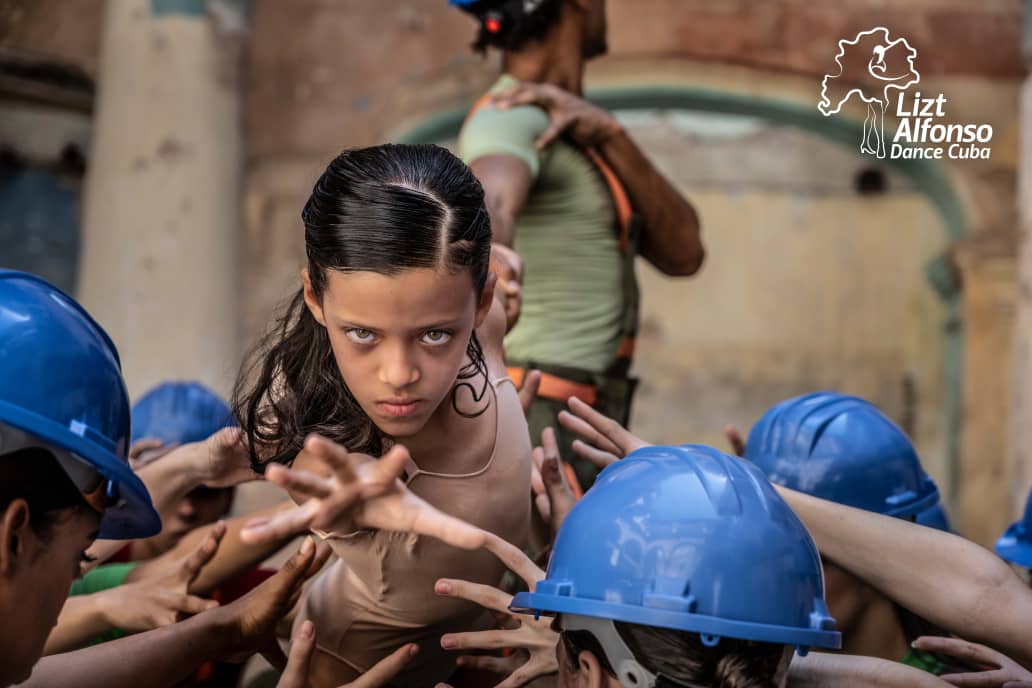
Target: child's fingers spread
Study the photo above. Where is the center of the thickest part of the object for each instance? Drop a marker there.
(301, 482)
(387, 668)
(596, 456)
(301, 646)
(484, 595)
(588, 432)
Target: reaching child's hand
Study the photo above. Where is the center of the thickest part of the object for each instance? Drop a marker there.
(162, 599)
(302, 645)
(603, 440)
(357, 492)
(534, 639)
(250, 622)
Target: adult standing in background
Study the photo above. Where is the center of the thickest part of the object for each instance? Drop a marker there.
(575, 198)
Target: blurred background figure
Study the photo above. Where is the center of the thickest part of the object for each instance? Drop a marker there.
(156, 154)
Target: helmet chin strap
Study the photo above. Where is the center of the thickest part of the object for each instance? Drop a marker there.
(629, 672)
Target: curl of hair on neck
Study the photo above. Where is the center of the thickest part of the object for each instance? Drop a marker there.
(383, 209)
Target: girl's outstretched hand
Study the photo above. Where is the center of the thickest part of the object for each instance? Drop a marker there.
(603, 440)
(1000, 670)
(533, 639)
(356, 492)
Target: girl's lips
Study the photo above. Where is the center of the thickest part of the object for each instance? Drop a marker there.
(399, 410)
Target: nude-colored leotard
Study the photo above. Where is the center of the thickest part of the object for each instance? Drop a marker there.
(379, 594)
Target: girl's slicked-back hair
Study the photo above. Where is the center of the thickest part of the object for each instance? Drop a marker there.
(383, 209)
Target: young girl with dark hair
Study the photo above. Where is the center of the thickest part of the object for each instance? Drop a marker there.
(393, 348)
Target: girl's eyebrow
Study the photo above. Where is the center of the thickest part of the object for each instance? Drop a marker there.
(419, 328)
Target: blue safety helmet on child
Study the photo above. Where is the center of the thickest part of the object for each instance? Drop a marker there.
(685, 538)
(843, 449)
(1015, 545)
(180, 412)
(61, 389)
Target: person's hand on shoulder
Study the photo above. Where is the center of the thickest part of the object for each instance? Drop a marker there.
(587, 124)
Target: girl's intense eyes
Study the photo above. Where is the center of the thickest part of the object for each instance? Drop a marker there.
(436, 337)
(359, 336)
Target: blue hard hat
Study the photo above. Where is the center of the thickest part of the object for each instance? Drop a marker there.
(692, 539)
(1015, 545)
(61, 385)
(935, 517)
(842, 449)
(180, 412)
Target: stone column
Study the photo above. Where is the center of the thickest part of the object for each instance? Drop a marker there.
(162, 202)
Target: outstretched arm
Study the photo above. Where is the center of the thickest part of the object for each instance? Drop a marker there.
(168, 654)
(944, 578)
(233, 557)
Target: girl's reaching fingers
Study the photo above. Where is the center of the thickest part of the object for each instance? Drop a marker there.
(303, 483)
(335, 456)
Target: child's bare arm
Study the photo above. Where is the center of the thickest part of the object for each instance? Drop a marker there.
(944, 578)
